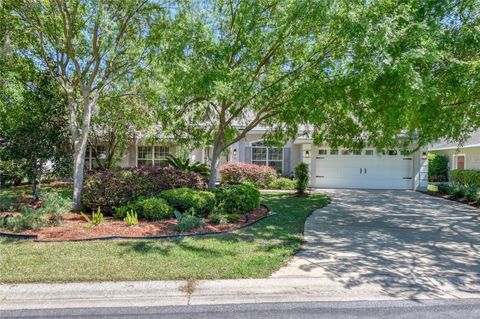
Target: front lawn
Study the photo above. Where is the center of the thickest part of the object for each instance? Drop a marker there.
(254, 252)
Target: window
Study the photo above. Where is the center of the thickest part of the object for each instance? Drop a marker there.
(99, 151)
(345, 152)
(357, 152)
(368, 152)
(392, 152)
(333, 152)
(270, 156)
(322, 152)
(152, 155)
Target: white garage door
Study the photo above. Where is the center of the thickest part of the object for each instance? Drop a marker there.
(363, 169)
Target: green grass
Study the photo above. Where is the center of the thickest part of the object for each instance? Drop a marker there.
(254, 252)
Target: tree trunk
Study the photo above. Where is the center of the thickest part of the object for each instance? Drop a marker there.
(34, 190)
(216, 152)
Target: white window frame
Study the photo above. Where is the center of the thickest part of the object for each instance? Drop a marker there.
(153, 159)
(267, 160)
(89, 155)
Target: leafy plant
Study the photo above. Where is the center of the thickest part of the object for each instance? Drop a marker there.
(187, 221)
(237, 199)
(282, 183)
(183, 199)
(131, 219)
(301, 174)
(29, 219)
(233, 218)
(466, 177)
(155, 209)
(216, 218)
(237, 173)
(183, 163)
(97, 218)
(55, 205)
(437, 168)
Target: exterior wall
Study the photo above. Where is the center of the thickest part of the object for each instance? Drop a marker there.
(472, 157)
(420, 169)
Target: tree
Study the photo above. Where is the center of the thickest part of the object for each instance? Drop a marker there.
(33, 121)
(354, 72)
(85, 45)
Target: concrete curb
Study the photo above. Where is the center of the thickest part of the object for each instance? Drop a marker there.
(204, 292)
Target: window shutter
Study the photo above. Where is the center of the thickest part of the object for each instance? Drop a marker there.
(286, 161)
(248, 154)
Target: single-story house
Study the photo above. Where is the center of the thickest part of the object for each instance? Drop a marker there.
(465, 156)
(330, 168)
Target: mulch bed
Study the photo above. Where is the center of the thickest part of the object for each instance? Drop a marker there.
(73, 228)
(449, 197)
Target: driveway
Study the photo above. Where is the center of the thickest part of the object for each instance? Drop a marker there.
(403, 243)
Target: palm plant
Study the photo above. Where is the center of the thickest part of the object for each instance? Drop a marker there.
(185, 164)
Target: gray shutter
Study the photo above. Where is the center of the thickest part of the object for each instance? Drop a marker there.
(286, 161)
(248, 154)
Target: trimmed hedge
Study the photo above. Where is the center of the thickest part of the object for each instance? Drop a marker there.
(237, 173)
(466, 177)
(183, 199)
(116, 188)
(154, 208)
(437, 168)
(237, 199)
(282, 183)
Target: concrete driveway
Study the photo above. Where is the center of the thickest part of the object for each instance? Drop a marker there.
(401, 243)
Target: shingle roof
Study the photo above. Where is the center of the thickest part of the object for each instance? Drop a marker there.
(473, 141)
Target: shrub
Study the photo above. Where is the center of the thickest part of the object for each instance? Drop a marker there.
(183, 163)
(97, 218)
(437, 168)
(55, 205)
(116, 188)
(216, 218)
(237, 199)
(29, 219)
(301, 174)
(232, 218)
(236, 173)
(443, 188)
(155, 209)
(183, 199)
(466, 177)
(187, 221)
(121, 212)
(282, 183)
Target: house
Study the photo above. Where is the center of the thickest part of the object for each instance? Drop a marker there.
(465, 156)
(330, 168)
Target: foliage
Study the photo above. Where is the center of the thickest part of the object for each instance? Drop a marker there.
(302, 176)
(184, 163)
(118, 187)
(237, 172)
(97, 218)
(10, 173)
(187, 221)
(233, 218)
(29, 219)
(121, 212)
(437, 168)
(155, 209)
(216, 218)
(237, 199)
(55, 205)
(282, 183)
(466, 177)
(184, 199)
(131, 218)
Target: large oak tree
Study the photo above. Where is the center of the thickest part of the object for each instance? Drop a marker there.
(353, 72)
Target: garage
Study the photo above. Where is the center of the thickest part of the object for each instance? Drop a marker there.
(368, 168)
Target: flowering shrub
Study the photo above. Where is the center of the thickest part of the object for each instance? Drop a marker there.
(236, 173)
(115, 188)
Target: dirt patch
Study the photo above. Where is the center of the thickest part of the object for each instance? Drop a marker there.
(74, 227)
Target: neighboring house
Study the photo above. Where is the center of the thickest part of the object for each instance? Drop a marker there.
(330, 168)
(466, 156)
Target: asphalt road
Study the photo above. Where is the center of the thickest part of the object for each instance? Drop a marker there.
(465, 309)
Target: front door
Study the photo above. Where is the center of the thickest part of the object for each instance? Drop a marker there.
(460, 161)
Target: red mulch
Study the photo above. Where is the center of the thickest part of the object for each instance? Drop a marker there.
(73, 227)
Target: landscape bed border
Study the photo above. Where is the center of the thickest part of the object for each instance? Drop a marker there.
(172, 236)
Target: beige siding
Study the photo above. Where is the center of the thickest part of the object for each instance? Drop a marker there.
(472, 156)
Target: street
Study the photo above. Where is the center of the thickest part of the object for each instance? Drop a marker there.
(467, 308)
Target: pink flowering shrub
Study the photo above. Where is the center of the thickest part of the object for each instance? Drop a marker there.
(236, 173)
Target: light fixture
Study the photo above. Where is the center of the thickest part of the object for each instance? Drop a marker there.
(234, 152)
(307, 154)
(424, 155)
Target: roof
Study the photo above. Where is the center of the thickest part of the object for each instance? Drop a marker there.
(472, 141)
